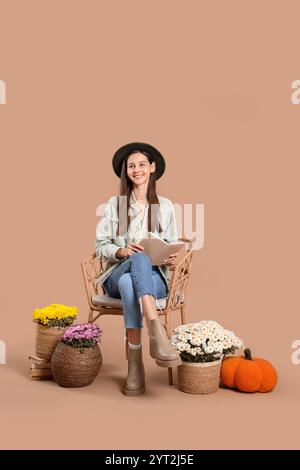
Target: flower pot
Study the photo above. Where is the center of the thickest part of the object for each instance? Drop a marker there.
(199, 377)
(71, 368)
(47, 339)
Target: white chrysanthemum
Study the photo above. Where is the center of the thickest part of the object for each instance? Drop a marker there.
(237, 343)
(218, 347)
(182, 337)
(180, 346)
(196, 327)
(196, 340)
(204, 337)
(204, 331)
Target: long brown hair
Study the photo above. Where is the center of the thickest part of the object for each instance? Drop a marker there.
(126, 186)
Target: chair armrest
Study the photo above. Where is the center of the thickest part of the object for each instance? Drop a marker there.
(178, 282)
(92, 267)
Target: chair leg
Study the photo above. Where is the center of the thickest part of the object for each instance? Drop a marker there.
(167, 325)
(170, 375)
(168, 331)
(91, 316)
(183, 319)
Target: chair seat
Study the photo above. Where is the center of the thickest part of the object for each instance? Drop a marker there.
(106, 301)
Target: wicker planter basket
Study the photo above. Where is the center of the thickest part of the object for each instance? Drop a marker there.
(47, 339)
(71, 368)
(199, 378)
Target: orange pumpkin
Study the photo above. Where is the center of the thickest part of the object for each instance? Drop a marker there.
(247, 374)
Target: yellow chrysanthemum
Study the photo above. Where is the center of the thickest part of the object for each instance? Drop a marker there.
(54, 311)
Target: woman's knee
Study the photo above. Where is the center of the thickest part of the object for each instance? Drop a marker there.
(140, 258)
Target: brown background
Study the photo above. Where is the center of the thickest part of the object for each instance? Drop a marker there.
(209, 84)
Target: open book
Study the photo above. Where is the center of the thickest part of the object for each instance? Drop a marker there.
(158, 250)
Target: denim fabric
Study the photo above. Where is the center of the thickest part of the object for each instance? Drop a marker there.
(131, 280)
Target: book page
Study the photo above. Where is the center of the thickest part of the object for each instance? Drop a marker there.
(158, 250)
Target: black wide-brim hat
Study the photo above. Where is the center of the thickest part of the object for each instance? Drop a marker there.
(127, 149)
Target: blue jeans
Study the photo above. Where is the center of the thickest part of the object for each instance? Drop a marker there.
(131, 280)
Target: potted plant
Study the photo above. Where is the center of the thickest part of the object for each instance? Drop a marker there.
(77, 358)
(202, 346)
(51, 324)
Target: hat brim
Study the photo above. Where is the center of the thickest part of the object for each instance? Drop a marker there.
(127, 149)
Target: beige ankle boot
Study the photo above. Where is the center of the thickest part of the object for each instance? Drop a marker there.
(160, 347)
(135, 381)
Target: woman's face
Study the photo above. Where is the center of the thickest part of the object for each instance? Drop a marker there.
(139, 168)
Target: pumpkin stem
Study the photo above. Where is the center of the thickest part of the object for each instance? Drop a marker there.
(247, 353)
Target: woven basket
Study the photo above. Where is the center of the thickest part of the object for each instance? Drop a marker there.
(199, 378)
(47, 339)
(71, 368)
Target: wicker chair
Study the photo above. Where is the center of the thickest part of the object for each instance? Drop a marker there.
(102, 304)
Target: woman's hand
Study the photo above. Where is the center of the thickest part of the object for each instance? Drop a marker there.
(129, 250)
(171, 261)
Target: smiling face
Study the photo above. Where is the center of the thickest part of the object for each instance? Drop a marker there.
(139, 168)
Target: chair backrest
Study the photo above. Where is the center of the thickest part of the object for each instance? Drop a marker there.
(93, 267)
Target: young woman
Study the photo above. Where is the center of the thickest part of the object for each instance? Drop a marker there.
(129, 274)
